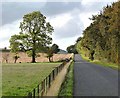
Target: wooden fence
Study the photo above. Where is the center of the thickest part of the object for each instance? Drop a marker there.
(43, 87)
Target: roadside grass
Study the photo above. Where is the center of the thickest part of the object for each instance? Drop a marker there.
(20, 78)
(67, 86)
(106, 64)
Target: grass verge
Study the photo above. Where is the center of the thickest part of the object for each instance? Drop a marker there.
(67, 86)
(106, 64)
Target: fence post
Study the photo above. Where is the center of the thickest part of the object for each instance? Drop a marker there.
(49, 80)
(55, 72)
(46, 84)
(29, 95)
(34, 93)
(38, 90)
(63, 65)
(59, 68)
(43, 85)
(41, 88)
(53, 75)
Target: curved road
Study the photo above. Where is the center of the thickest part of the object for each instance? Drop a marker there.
(94, 80)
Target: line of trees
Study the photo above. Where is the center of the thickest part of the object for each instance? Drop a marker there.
(50, 51)
(101, 40)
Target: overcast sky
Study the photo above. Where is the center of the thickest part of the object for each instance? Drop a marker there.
(69, 19)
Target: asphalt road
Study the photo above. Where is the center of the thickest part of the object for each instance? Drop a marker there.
(94, 80)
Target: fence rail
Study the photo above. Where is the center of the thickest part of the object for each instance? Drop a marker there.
(43, 87)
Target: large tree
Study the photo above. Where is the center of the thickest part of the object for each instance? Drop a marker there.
(34, 36)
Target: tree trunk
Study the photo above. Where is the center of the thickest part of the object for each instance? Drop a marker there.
(33, 52)
(15, 60)
(52, 58)
(33, 57)
(92, 55)
(6, 61)
(49, 59)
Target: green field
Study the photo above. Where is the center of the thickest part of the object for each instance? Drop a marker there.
(19, 79)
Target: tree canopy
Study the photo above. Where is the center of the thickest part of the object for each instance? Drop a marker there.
(51, 50)
(55, 48)
(101, 40)
(35, 35)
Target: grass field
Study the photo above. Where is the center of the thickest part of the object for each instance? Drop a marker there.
(19, 79)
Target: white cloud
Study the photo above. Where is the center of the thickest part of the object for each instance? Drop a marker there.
(84, 2)
(59, 20)
(24, 1)
(6, 32)
(65, 42)
(84, 17)
(66, 25)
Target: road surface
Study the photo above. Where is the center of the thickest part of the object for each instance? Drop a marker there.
(94, 80)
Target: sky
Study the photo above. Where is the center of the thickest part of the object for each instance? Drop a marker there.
(69, 18)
